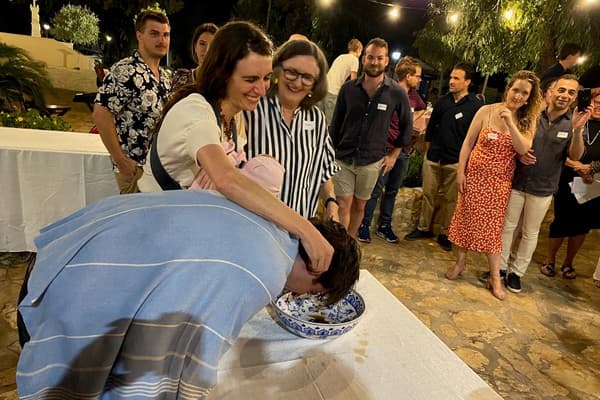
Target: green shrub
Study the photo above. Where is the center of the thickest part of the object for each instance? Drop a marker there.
(33, 120)
(413, 174)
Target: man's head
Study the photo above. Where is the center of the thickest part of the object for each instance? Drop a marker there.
(343, 271)
(562, 93)
(153, 34)
(408, 70)
(569, 54)
(460, 79)
(355, 47)
(375, 60)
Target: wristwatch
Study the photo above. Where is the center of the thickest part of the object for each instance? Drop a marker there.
(329, 200)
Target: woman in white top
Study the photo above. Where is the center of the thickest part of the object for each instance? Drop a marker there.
(234, 76)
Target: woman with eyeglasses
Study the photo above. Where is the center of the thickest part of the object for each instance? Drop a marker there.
(200, 117)
(485, 171)
(289, 127)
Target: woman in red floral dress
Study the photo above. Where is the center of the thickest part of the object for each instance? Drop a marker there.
(485, 171)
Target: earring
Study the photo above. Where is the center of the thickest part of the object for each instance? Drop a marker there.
(309, 95)
(276, 80)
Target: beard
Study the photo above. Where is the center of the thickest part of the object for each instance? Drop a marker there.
(374, 72)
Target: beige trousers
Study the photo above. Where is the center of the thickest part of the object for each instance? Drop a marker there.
(438, 179)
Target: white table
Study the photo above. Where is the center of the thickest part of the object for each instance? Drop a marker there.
(390, 355)
(45, 176)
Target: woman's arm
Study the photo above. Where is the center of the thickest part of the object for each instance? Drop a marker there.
(521, 141)
(467, 146)
(250, 195)
(331, 207)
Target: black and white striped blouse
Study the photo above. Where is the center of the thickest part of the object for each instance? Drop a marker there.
(304, 150)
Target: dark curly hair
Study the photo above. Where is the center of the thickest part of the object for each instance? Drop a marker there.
(345, 264)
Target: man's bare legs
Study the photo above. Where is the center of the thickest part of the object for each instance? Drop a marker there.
(357, 212)
(345, 204)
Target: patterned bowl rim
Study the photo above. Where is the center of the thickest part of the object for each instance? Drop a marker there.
(335, 324)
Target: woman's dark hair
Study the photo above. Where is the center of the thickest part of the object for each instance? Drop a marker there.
(295, 48)
(207, 27)
(232, 42)
(344, 269)
(528, 113)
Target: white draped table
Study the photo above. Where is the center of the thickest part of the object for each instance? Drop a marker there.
(390, 355)
(45, 176)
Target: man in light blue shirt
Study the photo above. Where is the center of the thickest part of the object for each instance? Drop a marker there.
(144, 293)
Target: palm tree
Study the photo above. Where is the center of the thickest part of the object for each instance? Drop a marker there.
(22, 80)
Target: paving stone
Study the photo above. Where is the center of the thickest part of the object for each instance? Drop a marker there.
(473, 358)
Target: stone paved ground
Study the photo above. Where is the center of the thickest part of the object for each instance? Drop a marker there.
(543, 343)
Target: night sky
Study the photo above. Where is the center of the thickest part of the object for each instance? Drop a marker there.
(15, 18)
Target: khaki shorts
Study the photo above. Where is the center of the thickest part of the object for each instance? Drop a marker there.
(355, 180)
(128, 185)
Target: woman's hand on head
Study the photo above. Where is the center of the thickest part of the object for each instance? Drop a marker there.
(318, 249)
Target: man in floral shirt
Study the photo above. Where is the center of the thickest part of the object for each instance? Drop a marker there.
(131, 98)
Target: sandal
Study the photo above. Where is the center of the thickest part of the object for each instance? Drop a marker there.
(568, 272)
(548, 270)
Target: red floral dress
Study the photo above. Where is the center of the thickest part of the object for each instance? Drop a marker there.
(479, 215)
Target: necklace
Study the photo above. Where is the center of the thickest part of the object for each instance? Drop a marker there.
(227, 127)
(587, 139)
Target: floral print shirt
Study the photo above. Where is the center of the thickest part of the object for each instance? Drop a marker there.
(134, 96)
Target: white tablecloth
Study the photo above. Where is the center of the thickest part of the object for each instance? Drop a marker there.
(45, 176)
(389, 355)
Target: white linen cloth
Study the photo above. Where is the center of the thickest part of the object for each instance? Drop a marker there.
(389, 355)
(45, 176)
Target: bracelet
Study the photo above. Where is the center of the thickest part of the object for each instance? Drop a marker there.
(329, 200)
(578, 131)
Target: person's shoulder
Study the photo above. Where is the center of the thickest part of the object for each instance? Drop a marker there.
(192, 105)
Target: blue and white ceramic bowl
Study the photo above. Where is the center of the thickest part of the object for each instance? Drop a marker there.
(308, 317)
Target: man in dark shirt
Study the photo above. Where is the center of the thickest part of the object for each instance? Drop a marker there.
(445, 134)
(408, 74)
(567, 57)
(558, 134)
(359, 130)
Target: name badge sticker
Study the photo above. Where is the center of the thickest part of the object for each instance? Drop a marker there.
(492, 136)
(562, 135)
(458, 116)
(382, 106)
(309, 125)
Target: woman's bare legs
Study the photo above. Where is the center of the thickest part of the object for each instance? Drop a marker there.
(494, 282)
(461, 262)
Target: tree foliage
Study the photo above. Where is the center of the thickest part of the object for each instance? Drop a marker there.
(76, 24)
(22, 80)
(280, 18)
(505, 36)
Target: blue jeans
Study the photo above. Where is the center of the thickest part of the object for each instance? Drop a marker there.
(392, 181)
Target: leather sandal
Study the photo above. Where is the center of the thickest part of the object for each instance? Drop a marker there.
(548, 270)
(568, 272)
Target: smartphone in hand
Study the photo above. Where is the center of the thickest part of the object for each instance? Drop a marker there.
(584, 99)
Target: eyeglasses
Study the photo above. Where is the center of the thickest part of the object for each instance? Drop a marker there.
(291, 75)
